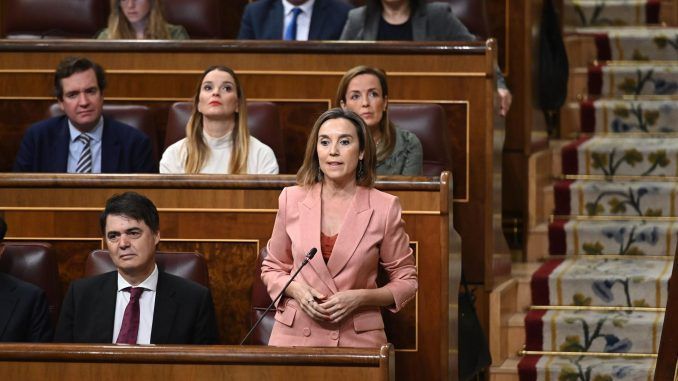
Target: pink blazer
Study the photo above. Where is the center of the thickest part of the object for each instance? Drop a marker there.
(372, 234)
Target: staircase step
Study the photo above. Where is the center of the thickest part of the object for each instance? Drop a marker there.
(506, 371)
(620, 199)
(572, 237)
(585, 13)
(619, 79)
(629, 116)
(534, 367)
(632, 43)
(593, 331)
(516, 333)
(537, 247)
(522, 272)
(607, 282)
(614, 155)
(597, 44)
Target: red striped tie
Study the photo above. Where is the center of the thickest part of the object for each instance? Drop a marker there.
(130, 321)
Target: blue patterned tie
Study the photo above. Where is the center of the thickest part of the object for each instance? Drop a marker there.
(291, 31)
(85, 161)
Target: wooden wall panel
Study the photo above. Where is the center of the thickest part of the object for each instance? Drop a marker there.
(228, 219)
(453, 74)
(231, 271)
(19, 362)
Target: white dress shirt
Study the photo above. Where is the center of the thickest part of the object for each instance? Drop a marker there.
(146, 306)
(303, 20)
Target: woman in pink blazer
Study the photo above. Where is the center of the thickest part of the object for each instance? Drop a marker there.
(335, 300)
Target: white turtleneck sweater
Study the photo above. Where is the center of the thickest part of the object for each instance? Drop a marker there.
(260, 160)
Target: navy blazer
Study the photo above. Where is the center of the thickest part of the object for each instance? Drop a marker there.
(24, 315)
(264, 20)
(183, 314)
(124, 149)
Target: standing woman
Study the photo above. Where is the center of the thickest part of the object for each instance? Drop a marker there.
(217, 137)
(140, 19)
(413, 20)
(335, 300)
(364, 91)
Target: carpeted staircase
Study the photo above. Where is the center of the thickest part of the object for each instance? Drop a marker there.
(598, 299)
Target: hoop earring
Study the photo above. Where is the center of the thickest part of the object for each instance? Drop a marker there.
(361, 171)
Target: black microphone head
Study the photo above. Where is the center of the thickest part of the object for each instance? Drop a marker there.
(311, 253)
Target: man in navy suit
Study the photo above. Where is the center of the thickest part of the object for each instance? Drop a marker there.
(83, 140)
(316, 20)
(24, 316)
(163, 308)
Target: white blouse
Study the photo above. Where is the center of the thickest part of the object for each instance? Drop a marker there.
(260, 159)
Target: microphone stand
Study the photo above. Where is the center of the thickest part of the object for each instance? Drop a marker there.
(307, 258)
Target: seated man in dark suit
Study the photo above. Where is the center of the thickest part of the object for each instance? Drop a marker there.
(83, 141)
(293, 20)
(137, 304)
(24, 316)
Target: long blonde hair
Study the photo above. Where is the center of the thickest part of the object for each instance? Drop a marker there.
(119, 28)
(197, 151)
(387, 129)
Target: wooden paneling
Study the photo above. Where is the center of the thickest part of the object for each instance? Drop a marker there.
(524, 122)
(667, 362)
(302, 75)
(228, 219)
(166, 363)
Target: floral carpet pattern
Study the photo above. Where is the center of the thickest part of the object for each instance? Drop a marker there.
(598, 300)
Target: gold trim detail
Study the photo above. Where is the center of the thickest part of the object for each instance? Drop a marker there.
(54, 239)
(559, 280)
(554, 329)
(578, 217)
(591, 354)
(655, 324)
(179, 210)
(575, 230)
(668, 265)
(660, 179)
(598, 308)
(256, 72)
(547, 368)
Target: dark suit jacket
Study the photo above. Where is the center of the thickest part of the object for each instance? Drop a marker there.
(430, 22)
(44, 148)
(264, 20)
(24, 316)
(184, 312)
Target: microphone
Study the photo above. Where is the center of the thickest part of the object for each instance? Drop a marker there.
(307, 258)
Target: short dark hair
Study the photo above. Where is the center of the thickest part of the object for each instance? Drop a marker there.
(3, 229)
(71, 65)
(132, 205)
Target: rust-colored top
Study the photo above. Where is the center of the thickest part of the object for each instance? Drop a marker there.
(326, 245)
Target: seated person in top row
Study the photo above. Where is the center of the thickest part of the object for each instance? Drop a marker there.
(140, 19)
(413, 20)
(24, 316)
(217, 136)
(293, 20)
(83, 141)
